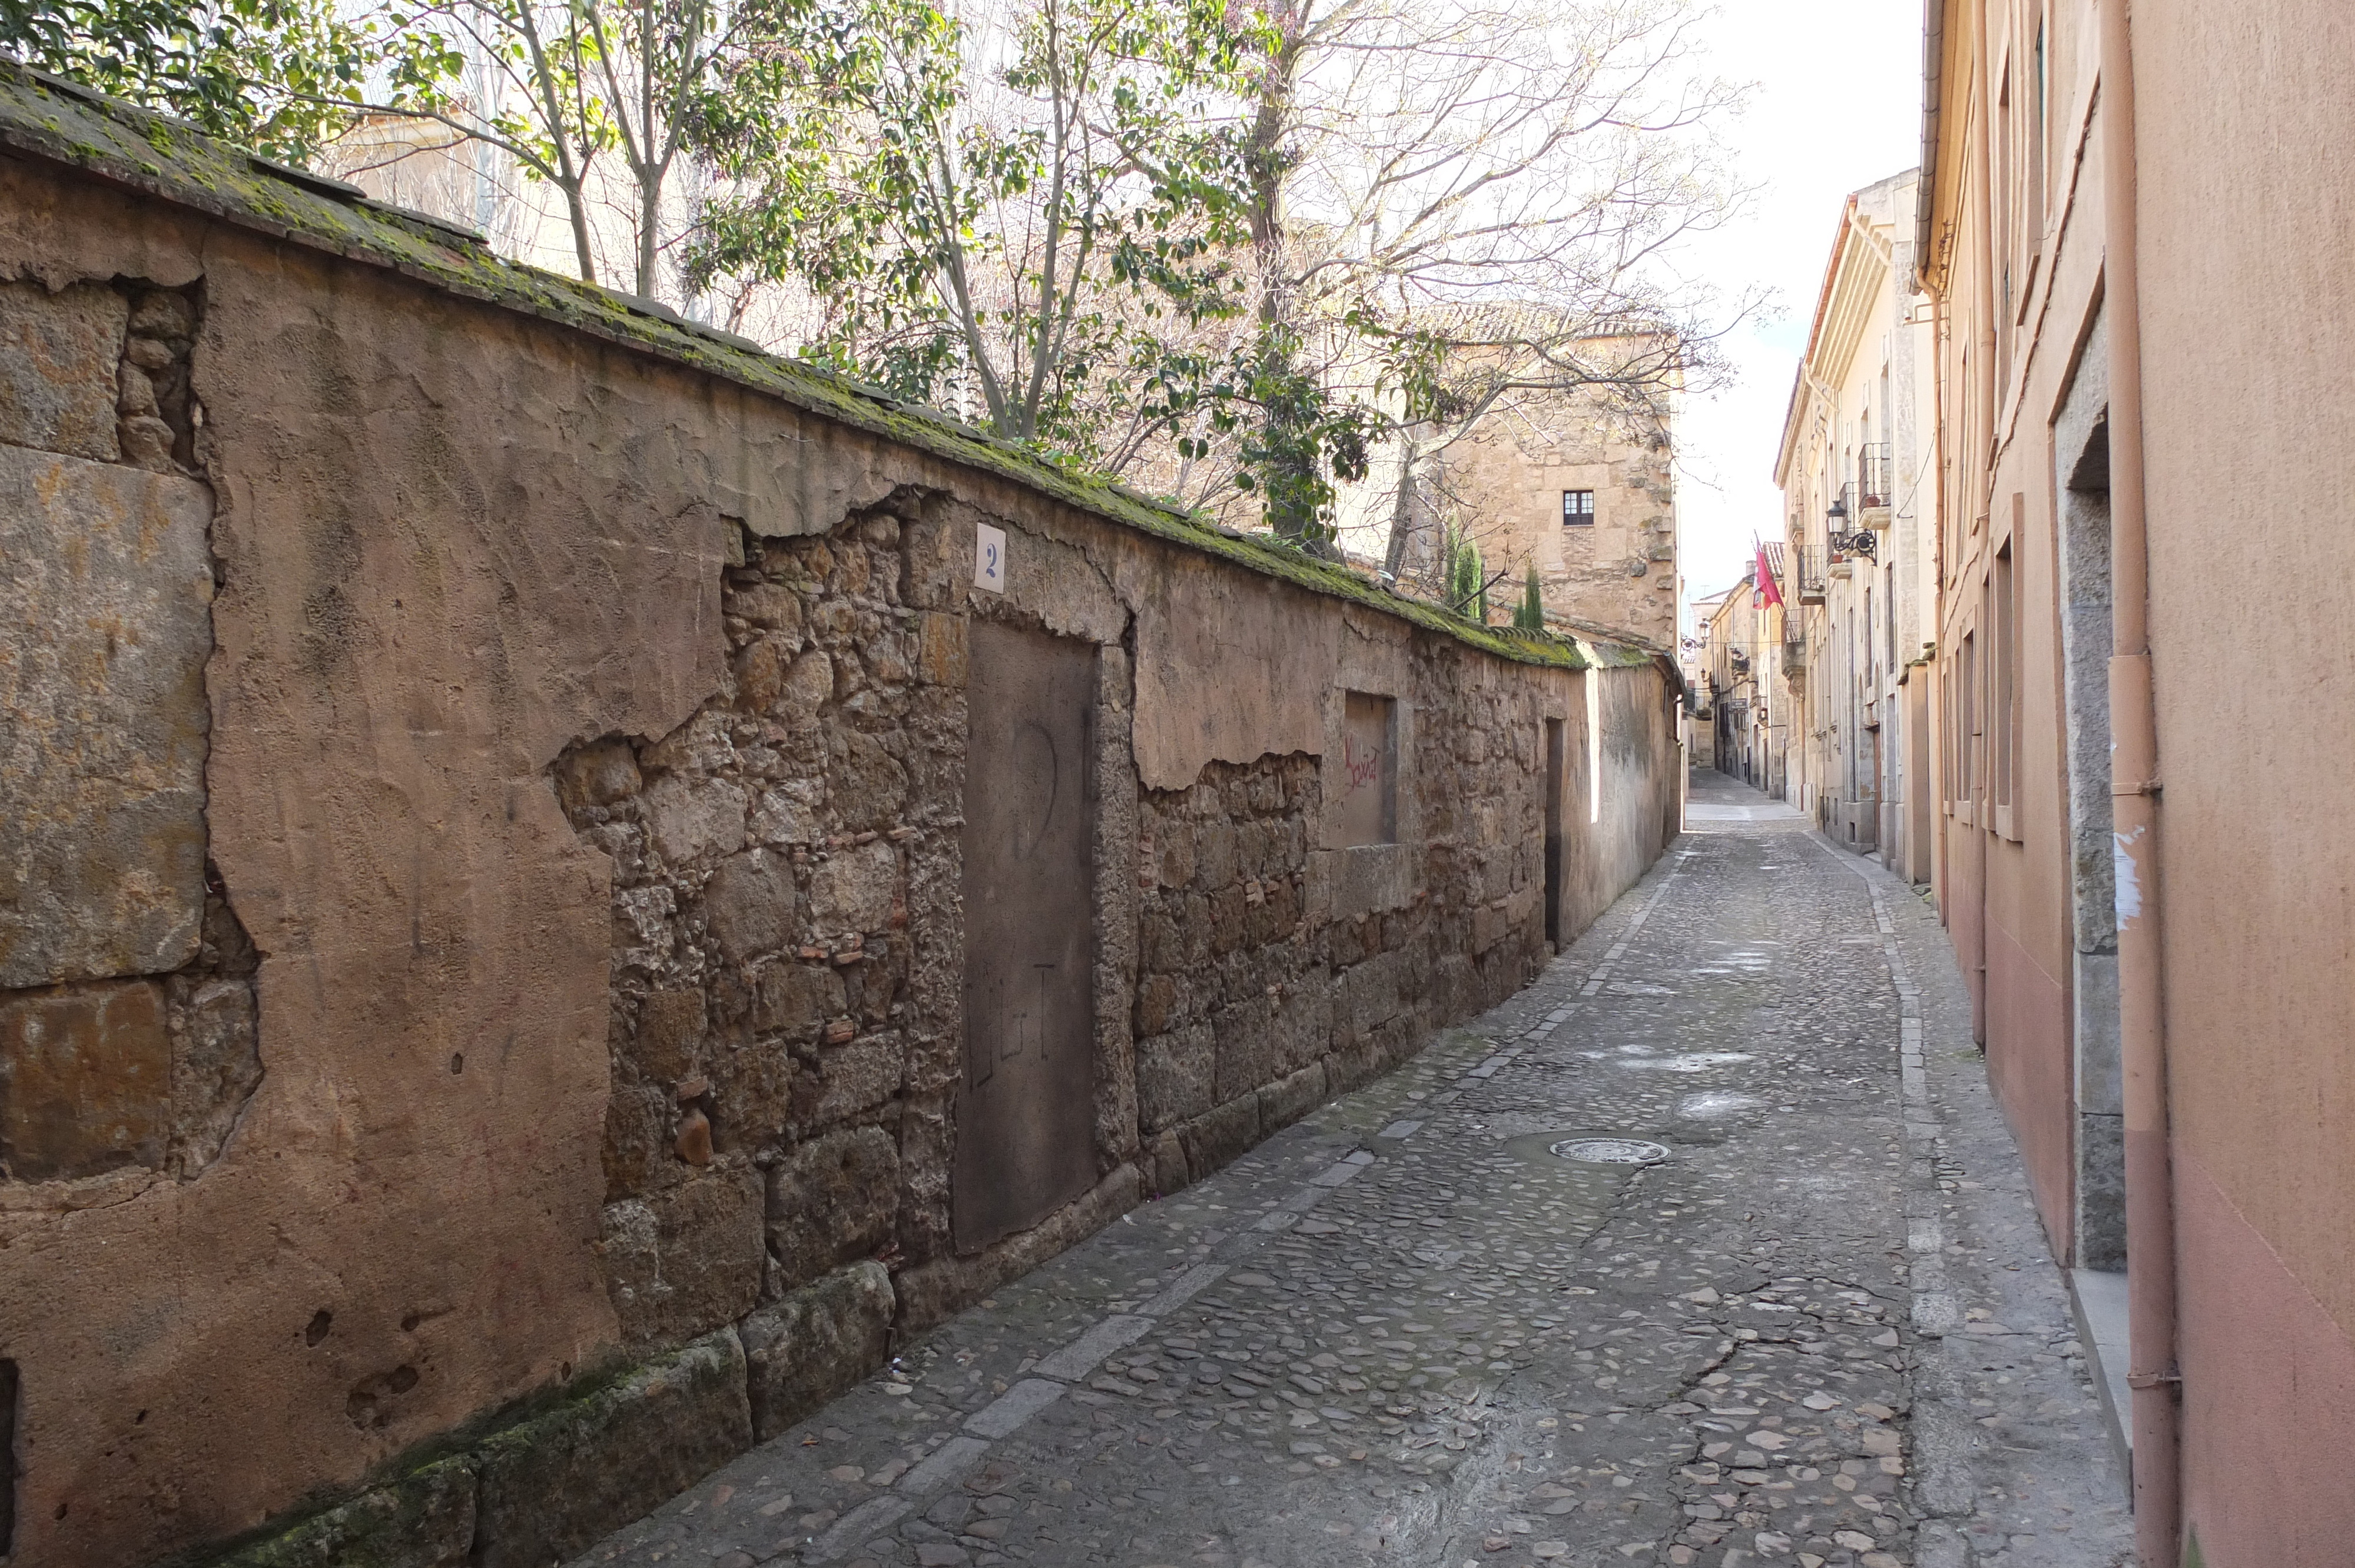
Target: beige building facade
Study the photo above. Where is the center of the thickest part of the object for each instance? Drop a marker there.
(1856, 452)
(2132, 225)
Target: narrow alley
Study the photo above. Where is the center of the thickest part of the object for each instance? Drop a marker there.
(1709, 1247)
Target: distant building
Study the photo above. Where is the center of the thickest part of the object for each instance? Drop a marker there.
(1579, 484)
(1750, 693)
(1855, 463)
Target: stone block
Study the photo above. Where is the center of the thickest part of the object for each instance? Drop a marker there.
(771, 606)
(1158, 1001)
(103, 756)
(1366, 996)
(1246, 1036)
(797, 1000)
(59, 354)
(933, 550)
(638, 1131)
(1289, 1098)
(759, 1091)
(761, 673)
(1164, 1163)
(1370, 878)
(559, 1483)
(816, 1343)
(1226, 924)
(788, 813)
(689, 820)
(1304, 1024)
(425, 1520)
(941, 651)
(832, 1201)
(1219, 1137)
(866, 783)
(852, 890)
(1174, 1075)
(855, 1078)
(668, 1042)
(749, 905)
(216, 1066)
(1174, 851)
(85, 1080)
(807, 687)
(597, 774)
(1216, 857)
(684, 1260)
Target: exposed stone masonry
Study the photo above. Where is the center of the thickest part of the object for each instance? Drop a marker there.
(127, 1038)
(771, 1031)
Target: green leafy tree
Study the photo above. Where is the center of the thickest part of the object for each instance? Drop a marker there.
(281, 77)
(1026, 220)
(1529, 614)
(557, 87)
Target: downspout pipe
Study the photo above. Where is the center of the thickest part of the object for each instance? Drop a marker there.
(2152, 1374)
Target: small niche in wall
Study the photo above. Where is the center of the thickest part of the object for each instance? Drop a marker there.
(1369, 769)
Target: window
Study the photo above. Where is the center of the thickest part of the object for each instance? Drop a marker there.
(1369, 769)
(1577, 508)
(1967, 721)
(2004, 700)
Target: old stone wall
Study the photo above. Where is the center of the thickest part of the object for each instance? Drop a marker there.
(1616, 572)
(490, 993)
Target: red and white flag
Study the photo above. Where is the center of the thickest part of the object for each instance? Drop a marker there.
(1766, 586)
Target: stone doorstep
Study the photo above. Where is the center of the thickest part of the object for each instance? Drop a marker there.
(2097, 1301)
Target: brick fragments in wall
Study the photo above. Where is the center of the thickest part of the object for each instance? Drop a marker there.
(555, 916)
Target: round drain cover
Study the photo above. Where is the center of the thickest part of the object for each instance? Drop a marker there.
(1611, 1150)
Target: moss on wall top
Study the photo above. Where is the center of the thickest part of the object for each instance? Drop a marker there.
(62, 122)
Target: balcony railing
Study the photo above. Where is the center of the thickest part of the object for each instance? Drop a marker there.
(1874, 497)
(1808, 572)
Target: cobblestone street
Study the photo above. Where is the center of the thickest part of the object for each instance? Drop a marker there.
(1709, 1247)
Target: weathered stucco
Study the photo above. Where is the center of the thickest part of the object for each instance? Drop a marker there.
(555, 1062)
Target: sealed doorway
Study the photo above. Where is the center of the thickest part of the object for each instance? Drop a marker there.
(1025, 1105)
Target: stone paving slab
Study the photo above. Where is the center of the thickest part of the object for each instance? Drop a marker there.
(1813, 1323)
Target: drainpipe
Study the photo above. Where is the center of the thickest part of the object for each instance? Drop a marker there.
(1986, 393)
(2134, 789)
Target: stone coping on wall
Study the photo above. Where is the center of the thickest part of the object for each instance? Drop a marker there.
(45, 117)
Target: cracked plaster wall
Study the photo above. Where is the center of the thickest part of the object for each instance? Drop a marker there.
(576, 973)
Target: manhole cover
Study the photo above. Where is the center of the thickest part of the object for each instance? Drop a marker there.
(1611, 1150)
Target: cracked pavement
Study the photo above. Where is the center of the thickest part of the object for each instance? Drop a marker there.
(1815, 1322)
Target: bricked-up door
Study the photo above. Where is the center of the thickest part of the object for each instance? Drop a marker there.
(1025, 1110)
(1553, 761)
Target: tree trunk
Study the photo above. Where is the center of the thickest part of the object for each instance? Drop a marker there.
(1268, 159)
(1401, 510)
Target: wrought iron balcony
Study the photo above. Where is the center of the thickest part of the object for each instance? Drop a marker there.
(1874, 497)
(1808, 572)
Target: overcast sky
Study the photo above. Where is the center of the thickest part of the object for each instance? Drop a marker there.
(1836, 106)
